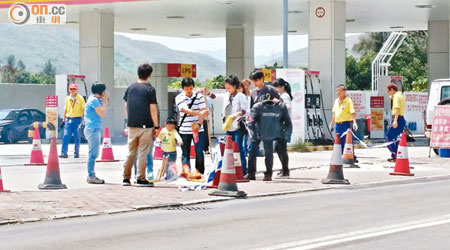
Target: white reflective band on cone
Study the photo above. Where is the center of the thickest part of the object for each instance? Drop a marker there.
(336, 158)
(107, 142)
(402, 152)
(36, 144)
(228, 167)
(237, 159)
(348, 149)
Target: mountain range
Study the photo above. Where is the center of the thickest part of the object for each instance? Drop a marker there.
(35, 45)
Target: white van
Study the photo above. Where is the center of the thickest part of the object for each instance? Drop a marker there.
(439, 95)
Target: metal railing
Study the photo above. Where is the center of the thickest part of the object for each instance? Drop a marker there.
(381, 63)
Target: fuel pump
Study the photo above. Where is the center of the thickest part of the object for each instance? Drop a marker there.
(313, 105)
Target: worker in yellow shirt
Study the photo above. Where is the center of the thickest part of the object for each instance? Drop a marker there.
(73, 117)
(398, 119)
(343, 115)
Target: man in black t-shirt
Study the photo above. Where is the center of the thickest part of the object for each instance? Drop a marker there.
(141, 109)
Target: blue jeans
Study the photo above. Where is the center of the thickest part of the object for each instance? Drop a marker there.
(199, 157)
(245, 144)
(170, 174)
(254, 146)
(342, 128)
(237, 137)
(71, 126)
(93, 136)
(393, 133)
(172, 156)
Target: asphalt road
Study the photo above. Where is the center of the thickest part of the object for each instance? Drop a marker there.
(407, 216)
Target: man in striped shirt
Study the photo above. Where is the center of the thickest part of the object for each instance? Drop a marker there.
(194, 114)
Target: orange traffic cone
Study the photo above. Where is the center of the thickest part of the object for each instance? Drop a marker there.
(107, 151)
(336, 174)
(52, 175)
(348, 157)
(36, 158)
(1, 183)
(227, 185)
(238, 164)
(158, 153)
(402, 161)
(192, 155)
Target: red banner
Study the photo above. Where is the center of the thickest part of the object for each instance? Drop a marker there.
(440, 134)
(181, 70)
(51, 101)
(377, 102)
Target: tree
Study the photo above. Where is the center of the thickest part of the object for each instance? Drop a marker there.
(409, 62)
(49, 69)
(216, 82)
(359, 73)
(274, 66)
(20, 65)
(371, 42)
(23, 77)
(175, 82)
(9, 70)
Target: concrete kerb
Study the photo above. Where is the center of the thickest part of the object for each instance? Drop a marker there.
(222, 199)
(322, 148)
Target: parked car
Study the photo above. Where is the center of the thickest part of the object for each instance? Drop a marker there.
(439, 95)
(14, 124)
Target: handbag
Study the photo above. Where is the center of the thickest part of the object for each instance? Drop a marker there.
(243, 127)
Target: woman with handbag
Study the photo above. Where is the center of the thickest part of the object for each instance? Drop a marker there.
(234, 110)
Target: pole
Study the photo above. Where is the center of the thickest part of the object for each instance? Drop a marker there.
(285, 34)
(207, 125)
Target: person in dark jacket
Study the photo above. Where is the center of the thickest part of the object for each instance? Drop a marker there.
(268, 122)
(262, 92)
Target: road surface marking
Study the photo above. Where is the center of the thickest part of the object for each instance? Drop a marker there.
(360, 234)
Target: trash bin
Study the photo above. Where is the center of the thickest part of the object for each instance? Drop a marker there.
(361, 127)
(443, 152)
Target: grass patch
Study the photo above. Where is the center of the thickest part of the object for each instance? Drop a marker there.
(302, 147)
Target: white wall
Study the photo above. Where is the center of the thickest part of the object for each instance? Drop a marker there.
(24, 95)
(33, 96)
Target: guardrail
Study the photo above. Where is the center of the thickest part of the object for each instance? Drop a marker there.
(39, 125)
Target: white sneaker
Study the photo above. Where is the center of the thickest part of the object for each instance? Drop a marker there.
(94, 180)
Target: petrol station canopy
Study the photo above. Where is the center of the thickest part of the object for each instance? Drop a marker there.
(210, 18)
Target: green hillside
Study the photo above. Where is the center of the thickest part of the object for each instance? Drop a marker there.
(34, 45)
